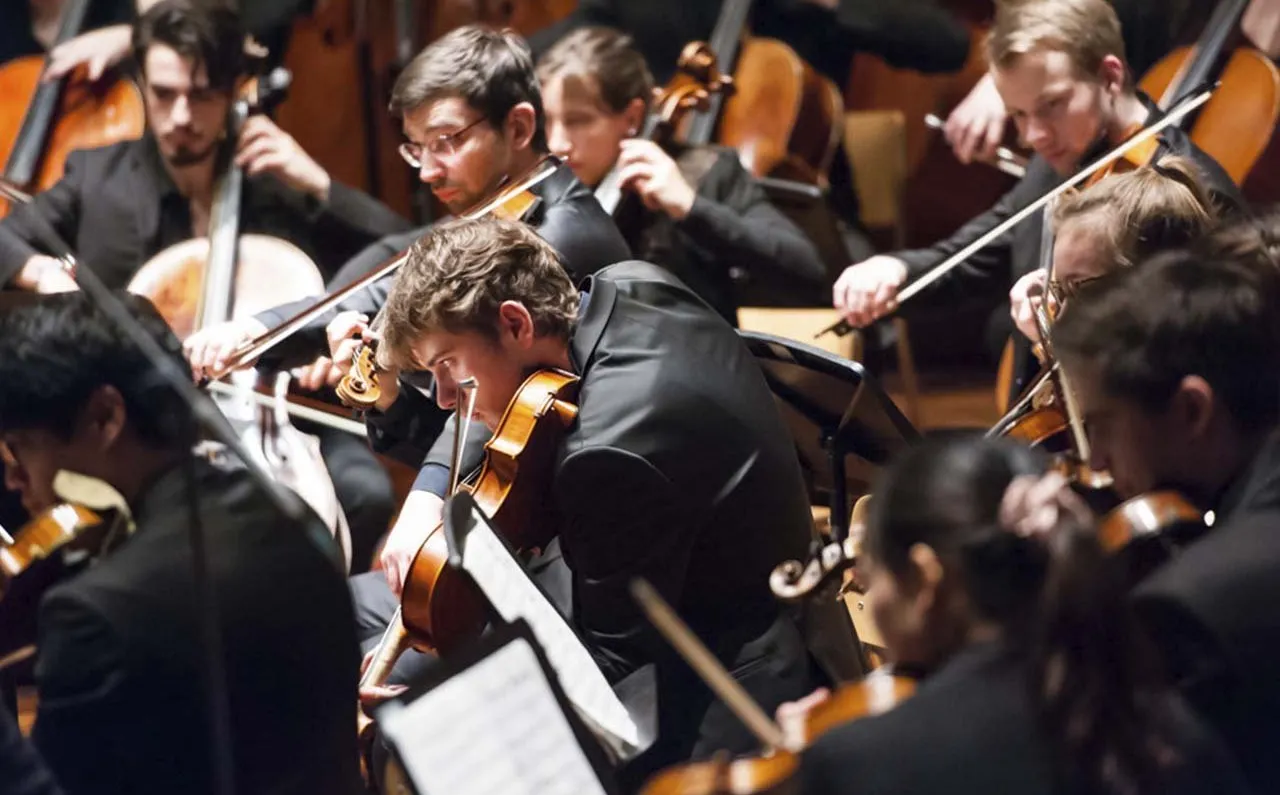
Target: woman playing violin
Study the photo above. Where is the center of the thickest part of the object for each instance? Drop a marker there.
(986, 578)
(1114, 224)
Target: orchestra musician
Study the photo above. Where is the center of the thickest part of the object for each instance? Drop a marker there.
(120, 673)
(1174, 367)
(21, 768)
(119, 205)
(987, 580)
(1116, 223)
(707, 221)
(677, 469)
(473, 116)
(1059, 67)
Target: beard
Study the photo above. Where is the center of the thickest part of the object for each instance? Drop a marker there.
(184, 156)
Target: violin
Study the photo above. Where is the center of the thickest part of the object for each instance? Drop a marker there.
(41, 122)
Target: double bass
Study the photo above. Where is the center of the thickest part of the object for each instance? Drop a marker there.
(42, 121)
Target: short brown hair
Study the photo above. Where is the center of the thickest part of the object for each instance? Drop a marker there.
(460, 273)
(1253, 240)
(1135, 215)
(1086, 30)
(492, 70)
(603, 55)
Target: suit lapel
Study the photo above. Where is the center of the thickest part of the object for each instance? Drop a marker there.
(603, 296)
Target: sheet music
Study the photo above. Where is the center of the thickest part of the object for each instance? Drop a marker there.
(493, 729)
(514, 596)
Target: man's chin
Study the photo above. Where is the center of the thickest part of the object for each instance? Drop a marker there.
(185, 158)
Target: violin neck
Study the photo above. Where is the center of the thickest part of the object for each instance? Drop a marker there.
(28, 149)
(726, 39)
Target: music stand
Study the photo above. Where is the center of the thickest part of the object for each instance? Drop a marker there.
(844, 425)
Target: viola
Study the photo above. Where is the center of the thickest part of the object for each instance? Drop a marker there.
(42, 122)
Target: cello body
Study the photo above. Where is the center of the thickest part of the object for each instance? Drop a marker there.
(89, 115)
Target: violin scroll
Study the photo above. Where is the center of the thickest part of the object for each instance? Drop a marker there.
(359, 387)
(795, 581)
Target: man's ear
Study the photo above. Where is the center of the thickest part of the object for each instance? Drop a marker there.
(634, 113)
(926, 572)
(1113, 73)
(104, 416)
(514, 321)
(522, 124)
(1192, 406)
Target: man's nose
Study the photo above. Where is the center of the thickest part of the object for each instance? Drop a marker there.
(446, 395)
(430, 171)
(181, 111)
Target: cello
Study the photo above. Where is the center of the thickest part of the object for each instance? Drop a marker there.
(44, 121)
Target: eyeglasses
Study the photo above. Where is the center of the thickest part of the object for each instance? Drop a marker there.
(441, 146)
(1062, 290)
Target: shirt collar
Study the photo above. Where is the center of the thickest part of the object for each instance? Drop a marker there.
(609, 192)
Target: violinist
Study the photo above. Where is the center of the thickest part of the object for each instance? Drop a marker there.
(678, 467)
(122, 699)
(1174, 366)
(705, 219)
(987, 581)
(473, 117)
(1059, 66)
(1114, 224)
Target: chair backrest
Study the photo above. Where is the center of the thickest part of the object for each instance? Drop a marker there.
(876, 143)
(800, 325)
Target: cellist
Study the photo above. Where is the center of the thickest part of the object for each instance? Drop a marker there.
(119, 205)
(1173, 363)
(1060, 68)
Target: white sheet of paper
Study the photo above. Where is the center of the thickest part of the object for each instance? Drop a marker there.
(514, 596)
(493, 729)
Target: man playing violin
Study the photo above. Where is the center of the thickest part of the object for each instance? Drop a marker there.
(1174, 366)
(678, 467)
(702, 216)
(1060, 68)
(119, 205)
(122, 697)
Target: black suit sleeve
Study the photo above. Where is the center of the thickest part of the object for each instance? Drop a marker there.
(79, 675)
(348, 223)
(21, 768)
(733, 217)
(408, 428)
(908, 34)
(990, 267)
(622, 519)
(58, 207)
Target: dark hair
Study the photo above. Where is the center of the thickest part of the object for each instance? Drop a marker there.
(492, 70)
(1180, 314)
(1059, 602)
(208, 32)
(606, 56)
(1253, 240)
(55, 353)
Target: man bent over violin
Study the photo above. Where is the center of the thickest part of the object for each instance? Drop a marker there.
(678, 467)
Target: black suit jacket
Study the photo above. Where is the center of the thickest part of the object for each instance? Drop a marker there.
(122, 705)
(909, 34)
(568, 217)
(116, 207)
(732, 234)
(1214, 611)
(990, 272)
(21, 768)
(971, 728)
(678, 469)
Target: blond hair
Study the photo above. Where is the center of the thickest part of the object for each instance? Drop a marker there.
(1134, 215)
(1086, 30)
(460, 273)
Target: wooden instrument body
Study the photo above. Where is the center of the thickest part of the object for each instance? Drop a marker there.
(441, 607)
(1235, 126)
(269, 272)
(90, 114)
(766, 775)
(65, 526)
(1146, 516)
(784, 118)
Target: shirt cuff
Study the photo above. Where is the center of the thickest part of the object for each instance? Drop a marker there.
(432, 478)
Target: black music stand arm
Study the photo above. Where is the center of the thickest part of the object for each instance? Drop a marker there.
(840, 506)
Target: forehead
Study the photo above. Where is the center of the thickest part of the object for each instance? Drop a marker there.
(571, 91)
(435, 344)
(1078, 252)
(165, 67)
(440, 114)
(1037, 73)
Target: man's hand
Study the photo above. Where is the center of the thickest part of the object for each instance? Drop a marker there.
(1037, 505)
(976, 126)
(1025, 296)
(373, 695)
(419, 515)
(208, 349)
(264, 148)
(651, 173)
(346, 333)
(98, 50)
(43, 274)
(319, 374)
(792, 716)
(868, 291)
